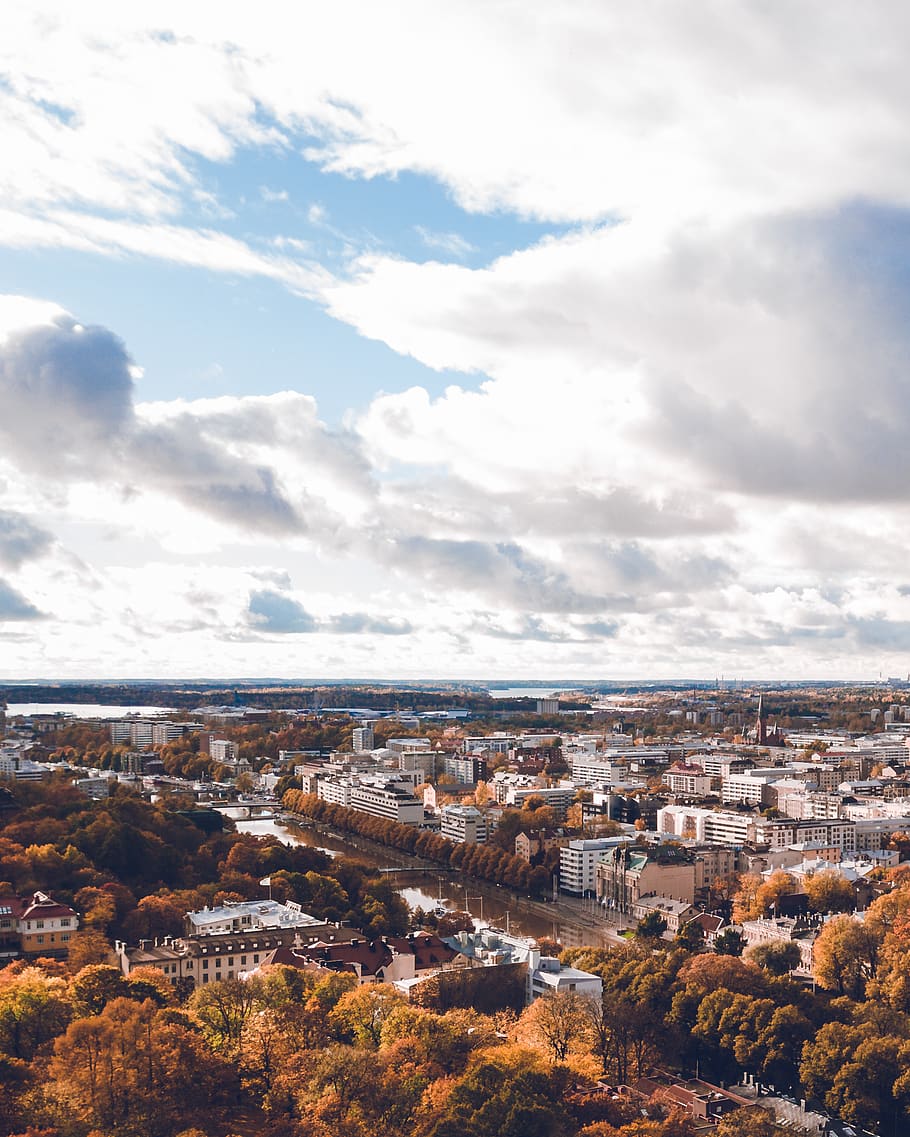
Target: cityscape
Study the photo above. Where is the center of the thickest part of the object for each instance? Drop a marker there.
(454, 592)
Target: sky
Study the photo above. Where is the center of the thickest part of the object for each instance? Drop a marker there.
(425, 340)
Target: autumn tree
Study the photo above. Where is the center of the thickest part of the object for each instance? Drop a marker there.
(34, 1009)
(828, 891)
(360, 1014)
(846, 955)
(559, 1022)
(130, 1071)
(778, 958)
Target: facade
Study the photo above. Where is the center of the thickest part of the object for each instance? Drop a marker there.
(558, 798)
(222, 750)
(675, 913)
(578, 863)
(689, 780)
(35, 926)
(626, 873)
(489, 947)
(463, 824)
(391, 800)
(467, 771)
(588, 770)
(362, 739)
(784, 929)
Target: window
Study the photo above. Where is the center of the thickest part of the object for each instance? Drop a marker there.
(205, 965)
(40, 939)
(39, 923)
(65, 922)
(243, 961)
(255, 959)
(65, 936)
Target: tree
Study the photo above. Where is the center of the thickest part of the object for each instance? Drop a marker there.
(778, 958)
(360, 1014)
(828, 891)
(559, 1021)
(95, 986)
(222, 1010)
(33, 1010)
(690, 936)
(730, 942)
(129, 1071)
(753, 1121)
(651, 927)
(504, 1093)
(846, 955)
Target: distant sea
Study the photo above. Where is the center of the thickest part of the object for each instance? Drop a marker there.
(84, 710)
(529, 692)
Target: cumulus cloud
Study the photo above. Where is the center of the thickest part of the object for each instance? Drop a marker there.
(69, 412)
(274, 612)
(359, 623)
(14, 606)
(20, 540)
(280, 613)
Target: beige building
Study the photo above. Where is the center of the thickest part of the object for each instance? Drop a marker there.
(627, 873)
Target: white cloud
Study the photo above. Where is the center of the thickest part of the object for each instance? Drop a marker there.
(452, 243)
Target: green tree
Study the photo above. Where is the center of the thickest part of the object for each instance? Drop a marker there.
(651, 927)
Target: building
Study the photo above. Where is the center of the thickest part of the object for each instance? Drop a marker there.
(392, 800)
(135, 732)
(689, 780)
(559, 798)
(626, 873)
(467, 771)
(675, 913)
(463, 824)
(578, 863)
(222, 750)
(362, 739)
(402, 745)
(785, 929)
(547, 706)
(250, 916)
(489, 947)
(35, 926)
(588, 770)
(389, 959)
(14, 764)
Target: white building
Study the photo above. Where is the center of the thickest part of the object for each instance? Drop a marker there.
(222, 750)
(588, 770)
(249, 916)
(578, 863)
(392, 800)
(558, 798)
(362, 739)
(464, 824)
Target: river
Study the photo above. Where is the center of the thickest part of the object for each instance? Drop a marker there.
(428, 888)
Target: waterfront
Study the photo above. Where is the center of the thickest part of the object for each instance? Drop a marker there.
(85, 710)
(568, 921)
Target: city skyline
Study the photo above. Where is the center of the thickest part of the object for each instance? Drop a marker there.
(495, 341)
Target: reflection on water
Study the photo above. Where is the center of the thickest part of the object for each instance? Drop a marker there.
(428, 889)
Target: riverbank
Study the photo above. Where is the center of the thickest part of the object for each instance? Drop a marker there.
(569, 921)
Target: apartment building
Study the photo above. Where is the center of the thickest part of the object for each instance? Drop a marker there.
(391, 800)
(559, 798)
(578, 863)
(463, 824)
